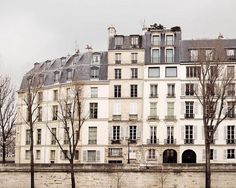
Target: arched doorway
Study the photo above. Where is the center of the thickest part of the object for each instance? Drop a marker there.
(189, 156)
(169, 156)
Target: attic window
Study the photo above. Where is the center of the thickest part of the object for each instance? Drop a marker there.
(96, 59)
(119, 42)
(41, 79)
(134, 41)
(56, 76)
(69, 74)
(94, 72)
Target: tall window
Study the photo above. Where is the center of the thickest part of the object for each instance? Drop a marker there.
(93, 110)
(170, 90)
(94, 72)
(52, 154)
(189, 109)
(94, 92)
(188, 134)
(66, 131)
(169, 40)
(189, 89)
(117, 73)
(134, 41)
(39, 135)
(231, 89)
(231, 111)
(132, 132)
(153, 135)
(117, 91)
(56, 76)
(134, 73)
(134, 58)
(27, 154)
(116, 133)
(91, 156)
(171, 71)
(230, 153)
(133, 90)
(117, 58)
(38, 153)
(68, 110)
(151, 154)
(92, 135)
(209, 55)
(170, 109)
(169, 55)
(40, 97)
(54, 112)
(193, 55)
(230, 134)
(40, 113)
(155, 56)
(156, 40)
(119, 42)
(53, 139)
(153, 72)
(55, 95)
(192, 72)
(153, 90)
(69, 74)
(153, 109)
(27, 137)
(230, 72)
(170, 135)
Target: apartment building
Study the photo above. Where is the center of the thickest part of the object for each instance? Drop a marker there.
(139, 98)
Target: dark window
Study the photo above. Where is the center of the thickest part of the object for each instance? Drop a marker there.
(133, 90)
(93, 110)
(117, 91)
(117, 73)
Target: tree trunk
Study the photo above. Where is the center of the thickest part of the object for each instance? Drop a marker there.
(4, 151)
(72, 172)
(32, 156)
(207, 165)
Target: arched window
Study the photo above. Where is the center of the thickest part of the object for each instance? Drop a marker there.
(189, 156)
(169, 156)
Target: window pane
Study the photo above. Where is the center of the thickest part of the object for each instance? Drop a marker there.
(171, 71)
(153, 72)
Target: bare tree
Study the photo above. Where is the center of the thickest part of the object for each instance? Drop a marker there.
(72, 118)
(7, 115)
(213, 92)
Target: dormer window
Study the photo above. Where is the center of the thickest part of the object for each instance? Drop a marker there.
(96, 59)
(56, 76)
(169, 40)
(94, 72)
(156, 40)
(41, 79)
(119, 40)
(69, 74)
(134, 41)
(230, 53)
(193, 55)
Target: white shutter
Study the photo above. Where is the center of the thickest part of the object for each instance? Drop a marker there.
(182, 89)
(196, 89)
(182, 108)
(203, 133)
(84, 156)
(203, 155)
(98, 156)
(225, 154)
(195, 107)
(195, 132)
(225, 132)
(182, 132)
(214, 154)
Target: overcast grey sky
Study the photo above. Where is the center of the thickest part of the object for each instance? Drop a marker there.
(34, 31)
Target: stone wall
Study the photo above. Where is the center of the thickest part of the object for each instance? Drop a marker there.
(113, 176)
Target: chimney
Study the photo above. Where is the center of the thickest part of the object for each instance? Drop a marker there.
(89, 48)
(111, 31)
(36, 65)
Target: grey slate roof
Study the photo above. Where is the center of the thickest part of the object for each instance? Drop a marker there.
(79, 64)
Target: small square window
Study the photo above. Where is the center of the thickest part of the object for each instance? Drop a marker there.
(153, 72)
(171, 71)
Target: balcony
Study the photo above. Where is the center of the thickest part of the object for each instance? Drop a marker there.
(153, 118)
(92, 141)
(134, 61)
(189, 141)
(155, 59)
(132, 141)
(115, 141)
(189, 116)
(118, 46)
(170, 118)
(153, 141)
(133, 117)
(117, 61)
(170, 141)
(153, 95)
(116, 117)
(230, 141)
(170, 95)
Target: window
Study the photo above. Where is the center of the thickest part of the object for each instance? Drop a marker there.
(55, 95)
(230, 134)
(54, 112)
(134, 58)
(193, 55)
(230, 153)
(68, 93)
(39, 135)
(133, 90)
(65, 154)
(117, 58)
(170, 109)
(169, 55)
(188, 134)
(231, 89)
(94, 92)
(192, 72)
(38, 153)
(92, 135)
(153, 90)
(171, 71)
(134, 41)
(96, 59)
(211, 154)
(189, 89)
(231, 111)
(189, 109)
(134, 73)
(68, 110)
(117, 73)
(52, 154)
(53, 139)
(41, 79)
(170, 135)
(151, 154)
(155, 56)
(153, 135)
(156, 40)
(153, 109)
(210, 88)
(115, 152)
(230, 53)
(27, 154)
(153, 72)
(119, 42)
(91, 156)
(209, 55)
(117, 91)
(132, 132)
(69, 74)
(93, 110)
(76, 154)
(27, 137)
(230, 72)
(169, 40)
(56, 76)
(40, 97)
(116, 133)
(40, 113)
(94, 72)
(170, 90)
(66, 134)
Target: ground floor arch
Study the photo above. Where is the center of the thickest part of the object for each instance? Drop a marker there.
(170, 156)
(189, 156)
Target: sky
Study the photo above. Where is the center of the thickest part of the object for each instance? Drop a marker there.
(37, 30)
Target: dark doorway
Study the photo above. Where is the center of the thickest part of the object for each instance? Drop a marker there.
(169, 156)
(189, 156)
